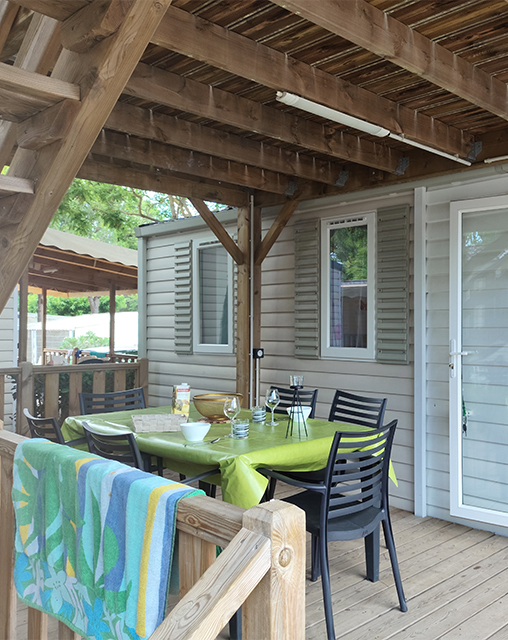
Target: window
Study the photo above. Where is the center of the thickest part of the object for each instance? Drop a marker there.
(212, 300)
(348, 258)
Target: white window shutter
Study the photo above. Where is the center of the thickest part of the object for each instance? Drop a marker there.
(183, 297)
(392, 285)
(307, 289)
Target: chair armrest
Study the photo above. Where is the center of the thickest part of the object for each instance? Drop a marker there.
(318, 487)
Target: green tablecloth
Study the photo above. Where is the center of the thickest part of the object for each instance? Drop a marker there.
(238, 460)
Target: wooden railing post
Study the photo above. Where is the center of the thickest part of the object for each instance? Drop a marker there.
(8, 600)
(275, 610)
(25, 399)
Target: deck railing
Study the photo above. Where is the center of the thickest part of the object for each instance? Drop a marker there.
(47, 379)
(261, 570)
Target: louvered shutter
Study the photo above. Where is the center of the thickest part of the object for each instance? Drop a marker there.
(183, 297)
(392, 285)
(307, 288)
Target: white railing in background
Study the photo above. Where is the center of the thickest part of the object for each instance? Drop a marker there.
(25, 375)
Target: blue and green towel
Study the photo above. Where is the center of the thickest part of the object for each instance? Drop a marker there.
(94, 540)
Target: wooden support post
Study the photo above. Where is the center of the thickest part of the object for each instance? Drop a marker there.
(44, 324)
(23, 318)
(276, 229)
(256, 289)
(112, 310)
(243, 345)
(8, 601)
(276, 607)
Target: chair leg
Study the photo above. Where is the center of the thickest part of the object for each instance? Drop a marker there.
(390, 543)
(235, 626)
(315, 567)
(160, 468)
(325, 583)
(271, 488)
(372, 555)
(209, 489)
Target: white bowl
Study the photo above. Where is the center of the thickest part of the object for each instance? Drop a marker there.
(195, 431)
(296, 412)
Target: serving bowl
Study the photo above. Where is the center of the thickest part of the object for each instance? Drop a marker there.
(194, 431)
(211, 405)
(297, 414)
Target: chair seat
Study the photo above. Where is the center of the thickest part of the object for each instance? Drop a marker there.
(349, 527)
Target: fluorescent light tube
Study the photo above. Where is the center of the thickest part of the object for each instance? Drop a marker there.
(496, 159)
(331, 114)
(355, 123)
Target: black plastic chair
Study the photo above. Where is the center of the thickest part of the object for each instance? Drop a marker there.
(353, 501)
(115, 401)
(307, 398)
(48, 428)
(346, 407)
(123, 447)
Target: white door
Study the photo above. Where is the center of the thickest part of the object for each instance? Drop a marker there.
(479, 360)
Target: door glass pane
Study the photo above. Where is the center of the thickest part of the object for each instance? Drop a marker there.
(348, 287)
(485, 369)
(213, 296)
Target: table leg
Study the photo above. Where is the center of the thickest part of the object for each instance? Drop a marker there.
(372, 555)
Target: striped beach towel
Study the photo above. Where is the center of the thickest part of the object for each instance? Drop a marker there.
(94, 540)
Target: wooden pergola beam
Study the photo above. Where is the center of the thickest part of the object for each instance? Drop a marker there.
(363, 24)
(166, 156)
(58, 9)
(218, 230)
(222, 48)
(8, 12)
(163, 182)
(157, 85)
(276, 229)
(56, 165)
(189, 135)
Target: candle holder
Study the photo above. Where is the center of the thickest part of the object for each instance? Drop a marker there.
(296, 412)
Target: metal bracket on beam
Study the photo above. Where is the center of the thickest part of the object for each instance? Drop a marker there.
(402, 166)
(342, 179)
(476, 148)
(291, 190)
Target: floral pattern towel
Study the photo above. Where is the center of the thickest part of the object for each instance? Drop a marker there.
(94, 540)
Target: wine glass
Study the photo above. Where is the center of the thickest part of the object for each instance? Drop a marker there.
(231, 410)
(272, 400)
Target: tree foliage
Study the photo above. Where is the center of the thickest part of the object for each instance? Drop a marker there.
(348, 245)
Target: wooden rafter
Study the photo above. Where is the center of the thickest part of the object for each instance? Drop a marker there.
(189, 135)
(101, 74)
(374, 30)
(163, 87)
(197, 38)
(8, 12)
(162, 181)
(58, 9)
(167, 156)
(277, 227)
(37, 54)
(221, 234)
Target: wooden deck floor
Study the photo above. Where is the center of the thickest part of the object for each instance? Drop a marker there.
(455, 579)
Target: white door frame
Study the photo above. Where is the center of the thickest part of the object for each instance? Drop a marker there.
(457, 507)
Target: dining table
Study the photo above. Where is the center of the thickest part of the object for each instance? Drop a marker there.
(236, 459)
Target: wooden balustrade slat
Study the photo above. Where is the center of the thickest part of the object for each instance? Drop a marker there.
(37, 624)
(119, 382)
(99, 382)
(51, 393)
(195, 556)
(64, 633)
(75, 388)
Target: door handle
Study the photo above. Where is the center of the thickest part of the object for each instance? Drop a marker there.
(460, 353)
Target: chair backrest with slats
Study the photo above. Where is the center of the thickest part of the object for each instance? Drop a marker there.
(307, 398)
(121, 447)
(115, 401)
(360, 410)
(44, 428)
(357, 479)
